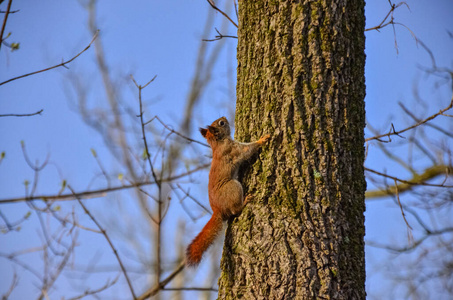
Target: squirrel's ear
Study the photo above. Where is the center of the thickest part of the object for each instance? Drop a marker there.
(203, 131)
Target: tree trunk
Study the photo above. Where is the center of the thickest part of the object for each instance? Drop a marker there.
(301, 79)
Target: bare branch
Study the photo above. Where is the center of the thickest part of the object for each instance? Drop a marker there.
(410, 114)
(409, 228)
(47, 284)
(63, 64)
(191, 289)
(406, 185)
(414, 245)
(104, 233)
(187, 194)
(389, 153)
(99, 192)
(11, 12)
(219, 36)
(142, 122)
(211, 2)
(392, 22)
(13, 259)
(175, 132)
(13, 285)
(154, 290)
(9, 226)
(383, 23)
(421, 122)
(104, 173)
(4, 22)
(22, 115)
(89, 292)
(158, 181)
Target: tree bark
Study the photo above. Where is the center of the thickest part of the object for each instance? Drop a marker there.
(301, 79)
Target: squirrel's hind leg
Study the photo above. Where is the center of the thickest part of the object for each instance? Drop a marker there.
(232, 197)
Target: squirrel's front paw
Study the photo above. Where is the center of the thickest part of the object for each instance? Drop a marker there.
(264, 139)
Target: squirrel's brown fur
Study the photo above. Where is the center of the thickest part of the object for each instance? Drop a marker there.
(225, 192)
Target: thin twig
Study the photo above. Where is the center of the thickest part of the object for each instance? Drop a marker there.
(63, 64)
(414, 245)
(158, 222)
(99, 192)
(187, 194)
(104, 233)
(154, 290)
(191, 289)
(381, 25)
(176, 132)
(4, 22)
(410, 114)
(409, 228)
(220, 11)
(392, 22)
(142, 122)
(11, 12)
(48, 239)
(9, 226)
(219, 36)
(421, 122)
(10, 257)
(89, 292)
(22, 115)
(104, 173)
(35, 167)
(13, 285)
(390, 154)
(49, 282)
(417, 181)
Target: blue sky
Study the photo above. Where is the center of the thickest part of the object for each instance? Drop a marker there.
(148, 38)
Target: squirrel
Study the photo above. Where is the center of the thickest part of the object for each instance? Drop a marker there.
(225, 191)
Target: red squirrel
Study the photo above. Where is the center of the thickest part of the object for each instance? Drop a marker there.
(225, 191)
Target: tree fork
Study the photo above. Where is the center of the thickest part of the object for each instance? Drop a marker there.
(301, 79)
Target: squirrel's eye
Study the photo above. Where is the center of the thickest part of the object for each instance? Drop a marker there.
(221, 123)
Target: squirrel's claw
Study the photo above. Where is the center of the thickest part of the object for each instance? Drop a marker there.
(264, 139)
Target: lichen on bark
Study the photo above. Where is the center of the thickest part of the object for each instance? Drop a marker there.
(301, 79)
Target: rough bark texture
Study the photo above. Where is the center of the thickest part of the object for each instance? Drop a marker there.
(301, 79)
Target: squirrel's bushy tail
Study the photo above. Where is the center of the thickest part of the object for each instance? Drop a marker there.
(204, 239)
